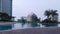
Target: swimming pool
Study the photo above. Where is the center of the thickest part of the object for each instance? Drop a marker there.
(26, 25)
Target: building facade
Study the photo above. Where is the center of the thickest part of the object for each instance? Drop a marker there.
(55, 18)
(6, 6)
(31, 17)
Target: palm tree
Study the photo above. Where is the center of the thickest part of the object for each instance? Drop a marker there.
(53, 13)
(47, 13)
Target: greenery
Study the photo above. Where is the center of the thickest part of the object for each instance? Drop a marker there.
(48, 19)
(5, 17)
(50, 14)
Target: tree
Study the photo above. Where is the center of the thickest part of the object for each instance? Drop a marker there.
(34, 18)
(52, 16)
(53, 13)
(47, 13)
(5, 17)
(23, 20)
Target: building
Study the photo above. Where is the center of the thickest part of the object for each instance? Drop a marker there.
(31, 17)
(55, 18)
(6, 6)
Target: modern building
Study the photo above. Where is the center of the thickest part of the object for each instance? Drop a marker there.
(54, 18)
(6, 6)
(31, 17)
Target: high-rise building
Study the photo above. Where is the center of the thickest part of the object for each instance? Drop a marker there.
(6, 6)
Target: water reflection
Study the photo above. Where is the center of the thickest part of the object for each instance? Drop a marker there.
(17, 26)
(50, 24)
(27, 25)
(42, 24)
(22, 24)
(34, 25)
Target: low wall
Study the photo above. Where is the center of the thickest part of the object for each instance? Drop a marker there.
(47, 30)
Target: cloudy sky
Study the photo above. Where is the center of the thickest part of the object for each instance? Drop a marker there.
(25, 7)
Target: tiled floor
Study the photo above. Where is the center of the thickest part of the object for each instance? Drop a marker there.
(47, 30)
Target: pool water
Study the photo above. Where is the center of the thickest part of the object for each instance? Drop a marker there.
(26, 25)
(5, 27)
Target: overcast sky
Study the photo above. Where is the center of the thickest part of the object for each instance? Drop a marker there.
(25, 7)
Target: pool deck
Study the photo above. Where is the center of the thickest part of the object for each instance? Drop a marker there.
(46, 30)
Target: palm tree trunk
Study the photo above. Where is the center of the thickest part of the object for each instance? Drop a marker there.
(52, 17)
(48, 17)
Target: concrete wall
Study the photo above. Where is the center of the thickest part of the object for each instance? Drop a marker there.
(47, 30)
